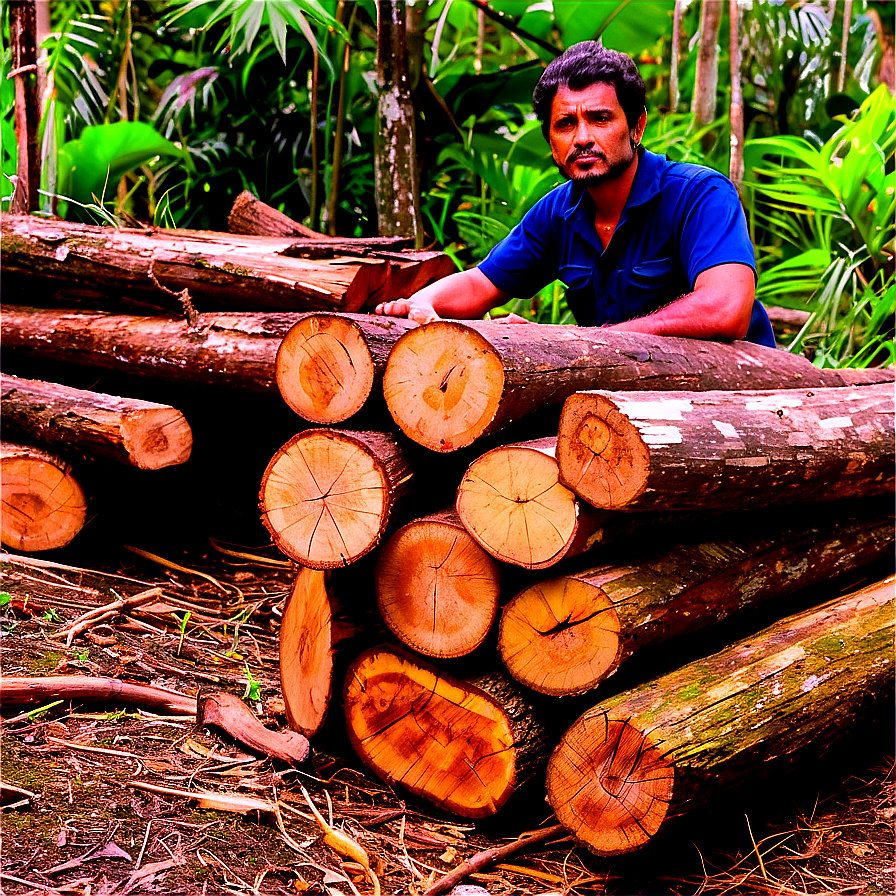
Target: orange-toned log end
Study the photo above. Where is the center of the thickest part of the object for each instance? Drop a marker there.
(601, 453)
(306, 657)
(43, 505)
(437, 589)
(324, 369)
(443, 383)
(609, 784)
(512, 503)
(443, 740)
(560, 637)
(325, 498)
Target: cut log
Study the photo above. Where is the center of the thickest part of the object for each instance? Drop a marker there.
(326, 495)
(445, 740)
(306, 657)
(250, 215)
(727, 450)
(565, 635)
(43, 504)
(661, 749)
(329, 364)
(511, 501)
(137, 433)
(449, 383)
(437, 590)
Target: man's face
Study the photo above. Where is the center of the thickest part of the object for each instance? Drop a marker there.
(590, 138)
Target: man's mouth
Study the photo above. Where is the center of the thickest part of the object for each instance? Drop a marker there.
(586, 158)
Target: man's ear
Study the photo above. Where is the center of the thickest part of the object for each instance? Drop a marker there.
(638, 130)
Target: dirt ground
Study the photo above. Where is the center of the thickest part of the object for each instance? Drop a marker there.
(111, 806)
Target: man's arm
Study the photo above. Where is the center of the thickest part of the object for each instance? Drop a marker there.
(466, 295)
(719, 307)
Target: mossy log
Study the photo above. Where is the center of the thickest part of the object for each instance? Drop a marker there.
(634, 761)
(129, 431)
(565, 635)
(724, 450)
(449, 383)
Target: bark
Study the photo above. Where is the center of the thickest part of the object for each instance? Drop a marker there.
(736, 111)
(445, 740)
(657, 751)
(706, 76)
(23, 47)
(725, 450)
(251, 216)
(437, 590)
(448, 383)
(326, 496)
(566, 635)
(137, 433)
(511, 501)
(395, 147)
(43, 504)
(306, 658)
(22, 692)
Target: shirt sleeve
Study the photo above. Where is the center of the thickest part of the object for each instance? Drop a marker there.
(526, 259)
(714, 229)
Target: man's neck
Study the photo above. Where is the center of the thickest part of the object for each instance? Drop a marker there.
(609, 198)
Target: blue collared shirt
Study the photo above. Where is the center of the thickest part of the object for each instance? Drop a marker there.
(679, 221)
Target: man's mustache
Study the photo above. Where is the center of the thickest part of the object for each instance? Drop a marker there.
(590, 153)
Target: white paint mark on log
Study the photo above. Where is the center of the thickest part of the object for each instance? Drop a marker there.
(659, 435)
(811, 682)
(655, 410)
(772, 403)
(726, 429)
(747, 461)
(798, 440)
(835, 422)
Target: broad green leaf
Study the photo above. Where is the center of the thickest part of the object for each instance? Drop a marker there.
(627, 26)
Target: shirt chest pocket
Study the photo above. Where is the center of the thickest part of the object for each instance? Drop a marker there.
(649, 284)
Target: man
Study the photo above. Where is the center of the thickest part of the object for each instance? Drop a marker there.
(642, 244)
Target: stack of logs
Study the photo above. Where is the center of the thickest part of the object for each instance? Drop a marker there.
(679, 483)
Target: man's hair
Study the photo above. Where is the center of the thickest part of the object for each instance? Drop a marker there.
(582, 65)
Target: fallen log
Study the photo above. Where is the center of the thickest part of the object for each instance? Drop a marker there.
(565, 635)
(445, 740)
(449, 383)
(511, 501)
(137, 433)
(329, 364)
(250, 215)
(306, 657)
(326, 496)
(652, 450)
(43, 504)
(437, 590)
(634, 761)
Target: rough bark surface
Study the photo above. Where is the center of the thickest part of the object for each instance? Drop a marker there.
(437, 590)
(659, 750)
(43, 505)
(23, 47)
(565, 635)
(653, 450)
(448, 383)
(138, 433)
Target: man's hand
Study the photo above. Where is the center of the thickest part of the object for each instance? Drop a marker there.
(420, 312)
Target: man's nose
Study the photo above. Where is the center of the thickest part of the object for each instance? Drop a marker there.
(583, 135)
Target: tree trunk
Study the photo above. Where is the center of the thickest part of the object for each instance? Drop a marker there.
(328, 364)
(395, 147)
(326, 495)
(445, 740)
(437, 589)
(306, 657)
(448, 383)
(137, 433)
(661, 749)
(736, 111)
(724, 450)
(566, 635)
(511, 501)
(706, 76)
(43, 504)
(675, 55)
(23, 47)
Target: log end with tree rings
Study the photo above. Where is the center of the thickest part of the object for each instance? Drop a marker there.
(306, 658)
(324, 369)
(443, 384)
(43, 505)
(326, 496)
(442, 739)
(513, 504)
(156, 438)
(602, 455)
(437, 589)
(609, 784)
(560, 637)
